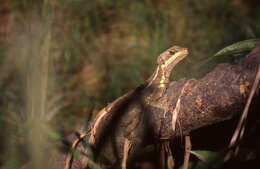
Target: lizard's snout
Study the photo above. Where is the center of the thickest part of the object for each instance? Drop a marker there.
(185, 51)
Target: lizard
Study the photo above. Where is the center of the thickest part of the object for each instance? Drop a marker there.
(131, 106)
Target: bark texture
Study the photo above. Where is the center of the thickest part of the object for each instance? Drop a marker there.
(217, 97)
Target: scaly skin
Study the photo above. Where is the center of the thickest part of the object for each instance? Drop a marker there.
(166, 62)
(131, 106)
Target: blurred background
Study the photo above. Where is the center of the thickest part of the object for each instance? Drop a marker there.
(61, 61)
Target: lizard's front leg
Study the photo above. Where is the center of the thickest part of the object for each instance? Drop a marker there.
(131, 146)
(127, 147)
(134, 132)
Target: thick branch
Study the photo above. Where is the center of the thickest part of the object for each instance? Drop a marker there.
(218, 96)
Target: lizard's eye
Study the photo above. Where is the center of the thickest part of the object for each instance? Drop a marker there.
(172, 52)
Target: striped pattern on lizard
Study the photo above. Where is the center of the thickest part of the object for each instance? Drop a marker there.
(131, 106)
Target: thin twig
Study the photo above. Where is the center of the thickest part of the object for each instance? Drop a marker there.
(241, 125)
(69, 158)
(187, 152)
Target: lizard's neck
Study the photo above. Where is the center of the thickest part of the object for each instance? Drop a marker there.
(160, 78)
(157, 84)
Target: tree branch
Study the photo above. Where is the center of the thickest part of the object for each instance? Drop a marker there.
(217, 97)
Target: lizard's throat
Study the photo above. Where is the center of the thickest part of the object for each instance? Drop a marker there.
(160, 77)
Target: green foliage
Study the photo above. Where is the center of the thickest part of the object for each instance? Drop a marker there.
(239, 47)
(212, 159)
(230, 54)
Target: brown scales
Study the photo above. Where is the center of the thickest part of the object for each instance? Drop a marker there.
(131, 106)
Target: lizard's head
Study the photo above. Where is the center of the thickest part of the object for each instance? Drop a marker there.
(172, 56)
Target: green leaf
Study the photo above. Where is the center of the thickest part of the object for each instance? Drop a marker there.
(239, 47)
(229, 54)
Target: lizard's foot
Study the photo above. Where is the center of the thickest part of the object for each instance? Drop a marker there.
(127, 147)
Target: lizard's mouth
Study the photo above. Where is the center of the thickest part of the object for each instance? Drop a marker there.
(183, 51)
(179, 55)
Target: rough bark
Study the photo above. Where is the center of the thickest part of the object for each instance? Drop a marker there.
(218, 96)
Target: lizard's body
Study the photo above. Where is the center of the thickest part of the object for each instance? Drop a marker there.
(131, 107)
